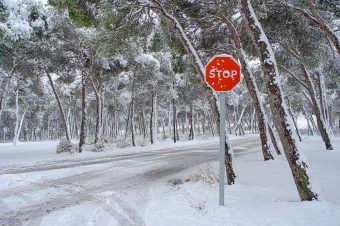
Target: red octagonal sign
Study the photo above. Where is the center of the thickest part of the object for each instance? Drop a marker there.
(222, 73)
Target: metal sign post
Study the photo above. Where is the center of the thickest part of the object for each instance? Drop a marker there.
(222, 148)
(222, 74)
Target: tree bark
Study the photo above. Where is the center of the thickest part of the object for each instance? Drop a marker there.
(191, 133)
(274, 140)
(61, 109)
(316, 107)
(133, 114)
(174, 119)
(127, 128)
(252, 89)
(339, 122)
(152, 118)
(200, 70)
(97, 90)
(323, 26)
(297, 165)
(17, 136)
(16, 129)
(82, 135)
(16, 116)
(293, 119)
(322, 97)
(5, 86)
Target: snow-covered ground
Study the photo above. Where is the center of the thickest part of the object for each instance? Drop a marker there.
(41, 152)
(135, 186)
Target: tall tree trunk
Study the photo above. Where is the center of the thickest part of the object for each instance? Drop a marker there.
(82, 135)
(315, 18)
(322, 97)
(212, 99)
(133, 114)
(61, 109)
(274, 140)
(330, 118)
(289, 107)
(339, 122)
(252, 89)
(18, 125)
(297, 165)
(314, 127)
(310, 129)
(319, 117)
(17, 136)
(16, 116)
(5, 86)
(97, 92)
(127, 128)
(143, 123)
(152, 118)
(191, 121)
(155, 109)
(174, 119)
(318, 20)
(239, 121)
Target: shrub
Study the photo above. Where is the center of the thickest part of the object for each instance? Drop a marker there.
(65, 146)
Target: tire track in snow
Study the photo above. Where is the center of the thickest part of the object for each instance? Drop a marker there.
(162, 165)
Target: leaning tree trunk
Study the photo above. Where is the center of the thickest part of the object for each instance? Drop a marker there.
(15, 139)
(293, 118)
(274, 140)
(17, 134)
(280, 115)
(314, 17)
(319, 21)
(322, 98)
(212, 99)
(252, 89)
(61, 109)
(316, 107)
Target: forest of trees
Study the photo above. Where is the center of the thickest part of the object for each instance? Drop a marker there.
(93, 72)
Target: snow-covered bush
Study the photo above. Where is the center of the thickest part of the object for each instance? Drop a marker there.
(65, 146)
(99, 147)
(206, 175)
(21, 18)
(123, 143)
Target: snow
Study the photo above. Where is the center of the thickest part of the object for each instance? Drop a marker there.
(40, 152)
(187, 41)
(148, 60)
(17, 23)
(264, 193)
(10, 4)
(260, 98)
(268, 57)
(263, 38)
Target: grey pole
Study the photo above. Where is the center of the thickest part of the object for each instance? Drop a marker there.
(222, 147)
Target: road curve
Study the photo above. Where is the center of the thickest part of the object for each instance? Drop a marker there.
(127, 172)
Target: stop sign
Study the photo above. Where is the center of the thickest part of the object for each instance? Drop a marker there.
(222, 73)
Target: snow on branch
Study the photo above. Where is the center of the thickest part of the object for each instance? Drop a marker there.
(157, 6)
(18, 23)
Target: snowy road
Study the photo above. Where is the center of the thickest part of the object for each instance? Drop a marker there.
(42, 189)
